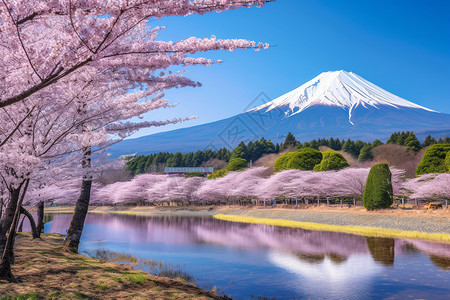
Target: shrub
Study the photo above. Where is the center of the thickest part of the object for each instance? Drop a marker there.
(331, 160)
(236, 164)
(378, 190)
(447, 161)
(433, 160)
(281, 162)
(195, 174)
(304, 159)
(217, 174)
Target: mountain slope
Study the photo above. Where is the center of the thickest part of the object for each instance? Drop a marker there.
(333, 104)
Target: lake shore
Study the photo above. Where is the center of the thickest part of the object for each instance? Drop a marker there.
(47, 272)
(425, 222)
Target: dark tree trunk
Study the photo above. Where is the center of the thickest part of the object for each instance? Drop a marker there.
(34, 230)
(8, 216)
(40, 218)
(76, 226)
(8, 255)
(1, 205)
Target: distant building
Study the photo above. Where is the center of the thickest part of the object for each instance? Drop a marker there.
(181, 171)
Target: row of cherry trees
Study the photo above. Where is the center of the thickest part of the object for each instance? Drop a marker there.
(73, 74)
(248, 185)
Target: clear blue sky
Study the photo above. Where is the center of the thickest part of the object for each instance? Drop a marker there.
(402, 46)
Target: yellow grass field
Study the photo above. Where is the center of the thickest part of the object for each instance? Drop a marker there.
(358, 230)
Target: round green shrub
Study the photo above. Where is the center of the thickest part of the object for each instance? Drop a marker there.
(236, 164)
(217, 174)
(304, 159)
(378, 190)
(433, 160)
(281, 162)
(331, 160)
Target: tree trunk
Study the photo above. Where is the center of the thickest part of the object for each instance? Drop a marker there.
(40, 218)
(76, 226)
(34, 230)
(8, 216)
(8, 255)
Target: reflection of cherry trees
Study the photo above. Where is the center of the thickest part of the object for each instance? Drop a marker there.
(305, 245)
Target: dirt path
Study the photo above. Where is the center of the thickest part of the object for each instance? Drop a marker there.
(47, 272)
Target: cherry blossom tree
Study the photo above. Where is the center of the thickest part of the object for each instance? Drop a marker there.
(428, 186)
(44, 42)
(51, 49)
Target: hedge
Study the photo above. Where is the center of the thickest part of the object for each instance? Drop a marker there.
(378, 190)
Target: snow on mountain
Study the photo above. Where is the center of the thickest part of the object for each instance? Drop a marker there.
(335, 104)
(337, 88)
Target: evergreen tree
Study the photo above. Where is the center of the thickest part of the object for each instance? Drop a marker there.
(169, 162)
(378, 191)
(401, 138)
(376, 143)
(428, 141)
(177, 160)
(358, 146)
(240, 151)
(349, 147)
(198, 159)
(412, 142)
(290, 141)
(187, 159)
(393, 138)
(366, 153)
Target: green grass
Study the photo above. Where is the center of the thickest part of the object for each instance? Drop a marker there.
(55, 295)
(80, 295)
(31, 296)
(102, 286)
(358, 230)
(118, 279)
(135, 277)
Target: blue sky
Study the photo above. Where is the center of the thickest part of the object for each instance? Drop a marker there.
(402, 46)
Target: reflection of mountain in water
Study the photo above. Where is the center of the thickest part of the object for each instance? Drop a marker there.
(306, 246)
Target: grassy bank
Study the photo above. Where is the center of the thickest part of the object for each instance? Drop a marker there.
(47, 272)
(358, 230)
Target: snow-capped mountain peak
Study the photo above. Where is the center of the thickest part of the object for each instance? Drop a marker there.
(337, 88)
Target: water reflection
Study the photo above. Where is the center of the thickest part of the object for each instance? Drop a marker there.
(249, 260)
(382, 250)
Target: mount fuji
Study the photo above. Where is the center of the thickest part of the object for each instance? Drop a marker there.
(335, 104)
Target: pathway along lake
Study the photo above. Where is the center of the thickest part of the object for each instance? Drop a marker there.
(248, 261)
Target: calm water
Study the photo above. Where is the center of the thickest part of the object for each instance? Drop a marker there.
(246, 260)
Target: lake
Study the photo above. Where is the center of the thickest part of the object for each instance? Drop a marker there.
(249, 261)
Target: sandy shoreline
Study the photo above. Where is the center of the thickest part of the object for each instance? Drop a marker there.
(400, 219)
